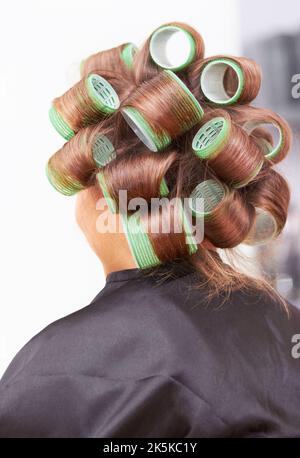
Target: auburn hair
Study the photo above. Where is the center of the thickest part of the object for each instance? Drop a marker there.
(140, 171)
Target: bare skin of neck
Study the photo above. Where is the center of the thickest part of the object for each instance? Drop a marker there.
(110, 247)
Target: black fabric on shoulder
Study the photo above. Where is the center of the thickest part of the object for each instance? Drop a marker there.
(151, 357)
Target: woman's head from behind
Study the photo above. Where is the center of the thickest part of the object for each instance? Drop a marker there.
(155, 147)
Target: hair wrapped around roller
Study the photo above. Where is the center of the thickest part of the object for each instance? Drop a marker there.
(233, 155)
(91, 99)
(118, 59)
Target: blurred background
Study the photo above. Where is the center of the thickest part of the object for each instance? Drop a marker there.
(47, 270)
(269, 33)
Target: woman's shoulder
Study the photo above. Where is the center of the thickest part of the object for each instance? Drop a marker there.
(120, 323)
(136, 326)
(142, 338)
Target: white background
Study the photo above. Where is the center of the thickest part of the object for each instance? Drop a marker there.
(47, 269)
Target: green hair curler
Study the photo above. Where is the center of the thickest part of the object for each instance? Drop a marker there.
(188, 113)
(128, 53)
(210, 138)
(60, 125)
(264, 229)
(161, 44)
(164, 190)
(101, 95)
(212, 81)
(103, 151)
(139, 242)
(143, 130)
(109, 200)
(65, 185)
(190, 95)
(189, 237)
(243, 183)
(211, 193)
(270, 151)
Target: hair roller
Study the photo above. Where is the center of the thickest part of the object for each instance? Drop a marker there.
(112, 60)
(138, 241)
(64, 184)
(228, 80)
(174, 46)
(161, 110)
(264, 228)
(87, 102)
(70, 169)
(103, 150)
(128, 53)
(143, 243)
(270, 196)
(184, 220)
(142, 174)
(227, 216)
(230, 152)
(111, 203)
(176, 242)
(160, 40)
(274, 151)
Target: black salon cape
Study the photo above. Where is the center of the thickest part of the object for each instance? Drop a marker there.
(149, 357)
